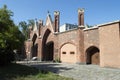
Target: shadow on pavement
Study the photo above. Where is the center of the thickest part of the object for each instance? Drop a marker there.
(52, 67)
(16, 70)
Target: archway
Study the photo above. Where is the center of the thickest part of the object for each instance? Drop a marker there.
(35, 49)
(49, 51)
(92, 56)
(47, 48)
(34, 46)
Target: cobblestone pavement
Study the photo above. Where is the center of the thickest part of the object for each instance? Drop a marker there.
(80, 72)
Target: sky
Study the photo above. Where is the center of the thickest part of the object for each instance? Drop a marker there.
(96, 11)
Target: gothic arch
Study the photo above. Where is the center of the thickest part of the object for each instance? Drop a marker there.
(49, 51)
(34, 46)
(45, 36)
(92, 55)
(46, 55)
(34, 38)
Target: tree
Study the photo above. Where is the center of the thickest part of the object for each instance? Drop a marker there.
(88, 26)
(5, 18)
(10, 36)
(31, 22)
(24, 26)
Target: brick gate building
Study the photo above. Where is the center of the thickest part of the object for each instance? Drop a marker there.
(96, 45)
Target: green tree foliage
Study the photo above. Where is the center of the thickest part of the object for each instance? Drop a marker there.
(11, 37)
(31, 22)
(24, 26)
(88, 26)
(5, 18)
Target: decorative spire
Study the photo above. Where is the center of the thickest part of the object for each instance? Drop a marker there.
(48, 12)
(35, 26)
(35, 19)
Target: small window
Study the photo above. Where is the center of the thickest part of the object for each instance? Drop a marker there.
(63, 52)
(72, 52)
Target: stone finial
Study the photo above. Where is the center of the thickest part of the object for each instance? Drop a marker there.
(40, 22)
(80, 10)
(48, 12)
(56, 13)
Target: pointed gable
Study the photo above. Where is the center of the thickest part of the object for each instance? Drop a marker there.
(48, 20)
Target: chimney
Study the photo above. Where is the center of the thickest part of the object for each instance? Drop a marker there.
(56, 21)
(40, 23)
(81, 18)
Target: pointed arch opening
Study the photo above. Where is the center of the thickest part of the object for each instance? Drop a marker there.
(34, 46)
(47, 48)
(49, 51)
(92, 55)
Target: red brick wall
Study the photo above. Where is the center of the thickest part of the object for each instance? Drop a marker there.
(109, 36)
(91, 38)
(74, 37)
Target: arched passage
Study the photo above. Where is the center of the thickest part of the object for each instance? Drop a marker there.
(92, 55)
(49, 51)
(47, 48)
(34, 46)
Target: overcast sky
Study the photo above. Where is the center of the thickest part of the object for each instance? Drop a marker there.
(96, 11)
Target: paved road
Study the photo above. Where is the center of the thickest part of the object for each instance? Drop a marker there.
(81, 72)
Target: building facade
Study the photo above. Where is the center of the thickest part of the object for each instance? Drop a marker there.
(67, 27)
(96, 45)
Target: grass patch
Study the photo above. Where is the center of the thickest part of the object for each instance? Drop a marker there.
(22, 72)
(41, 76)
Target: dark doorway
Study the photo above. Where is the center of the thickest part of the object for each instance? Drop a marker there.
(34, 49)
(49, 51)
(92, 56)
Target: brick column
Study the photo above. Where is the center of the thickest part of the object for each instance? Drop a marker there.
(81, 18)
(56, 21)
